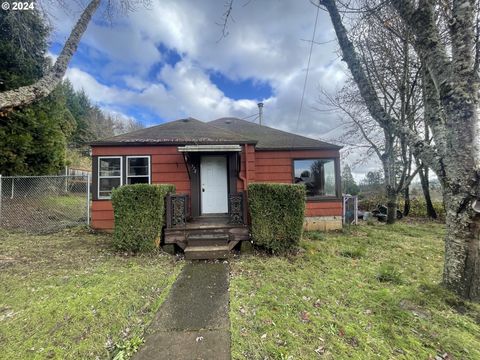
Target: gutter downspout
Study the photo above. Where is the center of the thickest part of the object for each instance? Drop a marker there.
(244, 178)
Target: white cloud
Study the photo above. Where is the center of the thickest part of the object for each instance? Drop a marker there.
(52, 57)
(266, 44)
(190, 94)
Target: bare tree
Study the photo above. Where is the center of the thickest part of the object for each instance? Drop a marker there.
(454, 153)
(388, 60)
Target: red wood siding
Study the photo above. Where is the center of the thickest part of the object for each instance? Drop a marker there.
(276, 167)
(324, 208)
(168, 167)
(102, 215)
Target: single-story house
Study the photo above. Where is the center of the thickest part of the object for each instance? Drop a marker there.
(211, 165)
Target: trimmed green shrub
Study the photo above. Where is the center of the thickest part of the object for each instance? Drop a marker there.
(139, 212)
(277, 213)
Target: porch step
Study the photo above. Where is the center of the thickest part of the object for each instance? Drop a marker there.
(206, 252)
(207, 239)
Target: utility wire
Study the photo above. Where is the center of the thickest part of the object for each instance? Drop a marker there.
(308, 67)
(249, 116)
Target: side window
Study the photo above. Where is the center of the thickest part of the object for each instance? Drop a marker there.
(318, 176)
(138, 170)
(109, 175)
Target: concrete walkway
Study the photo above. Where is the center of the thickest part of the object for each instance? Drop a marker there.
(193, 321)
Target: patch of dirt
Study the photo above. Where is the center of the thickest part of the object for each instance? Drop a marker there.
(415, 309)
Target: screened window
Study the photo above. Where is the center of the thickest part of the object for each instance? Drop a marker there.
(109, 175)
(318, 175)
(138, 170)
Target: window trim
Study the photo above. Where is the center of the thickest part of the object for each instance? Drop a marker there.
(133, 176)
(336, 164)
(108, 177)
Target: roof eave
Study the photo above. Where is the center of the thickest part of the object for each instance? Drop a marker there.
(166, 143)
(295, 148)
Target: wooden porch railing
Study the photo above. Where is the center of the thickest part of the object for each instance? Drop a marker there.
(177, 210)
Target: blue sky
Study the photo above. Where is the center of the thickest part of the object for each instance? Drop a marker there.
(169, 61)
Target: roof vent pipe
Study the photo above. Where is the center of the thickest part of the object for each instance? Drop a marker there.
(260, 112)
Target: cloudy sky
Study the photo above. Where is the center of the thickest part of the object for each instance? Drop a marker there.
(169, 61)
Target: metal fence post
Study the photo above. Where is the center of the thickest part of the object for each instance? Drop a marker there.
(88, 199)
(0, 200)
(356, 209)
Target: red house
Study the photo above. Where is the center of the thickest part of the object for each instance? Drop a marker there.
(211, 164)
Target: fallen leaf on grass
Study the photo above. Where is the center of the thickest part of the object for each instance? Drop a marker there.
(305, 316)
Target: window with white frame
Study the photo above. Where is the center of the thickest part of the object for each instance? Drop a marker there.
(109, 175)
(138, 170)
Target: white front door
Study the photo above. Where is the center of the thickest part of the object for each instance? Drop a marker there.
(214, 184)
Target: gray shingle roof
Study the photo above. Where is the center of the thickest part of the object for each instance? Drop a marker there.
(220, 131)
(269, 138)
(184, 131)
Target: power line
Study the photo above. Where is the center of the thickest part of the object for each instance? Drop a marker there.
(308, 67)
(249, 116)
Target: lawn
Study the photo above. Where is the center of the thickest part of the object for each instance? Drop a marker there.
(371, 292)
(43, 214)
(68, 296)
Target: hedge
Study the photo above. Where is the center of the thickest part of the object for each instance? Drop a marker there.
(277, 214)
(139, 212)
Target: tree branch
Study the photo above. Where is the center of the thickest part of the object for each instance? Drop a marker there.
(25, 95)
(419, 146)
(421, 20)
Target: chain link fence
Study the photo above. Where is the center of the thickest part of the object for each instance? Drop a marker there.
(350, 210)
(41, 204)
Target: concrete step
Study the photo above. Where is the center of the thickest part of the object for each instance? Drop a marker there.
(207, 239)
(206, 252)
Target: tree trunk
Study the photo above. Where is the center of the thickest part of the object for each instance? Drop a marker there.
(25, 95)
(423, 173)
(406, 205)
(388, 162)
(454, 154)
(462, 251)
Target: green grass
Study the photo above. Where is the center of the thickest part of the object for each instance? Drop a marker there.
(66, 201)
(368, 293)
(68, 296)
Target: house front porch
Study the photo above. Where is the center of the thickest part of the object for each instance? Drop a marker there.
(210, 236)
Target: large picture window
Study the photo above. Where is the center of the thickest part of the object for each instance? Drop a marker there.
(318, 175)
(109, 175)
(138, 170)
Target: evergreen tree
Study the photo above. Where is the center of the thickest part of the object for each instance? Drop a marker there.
(373, 181)
(33, 139)
(349, 186)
